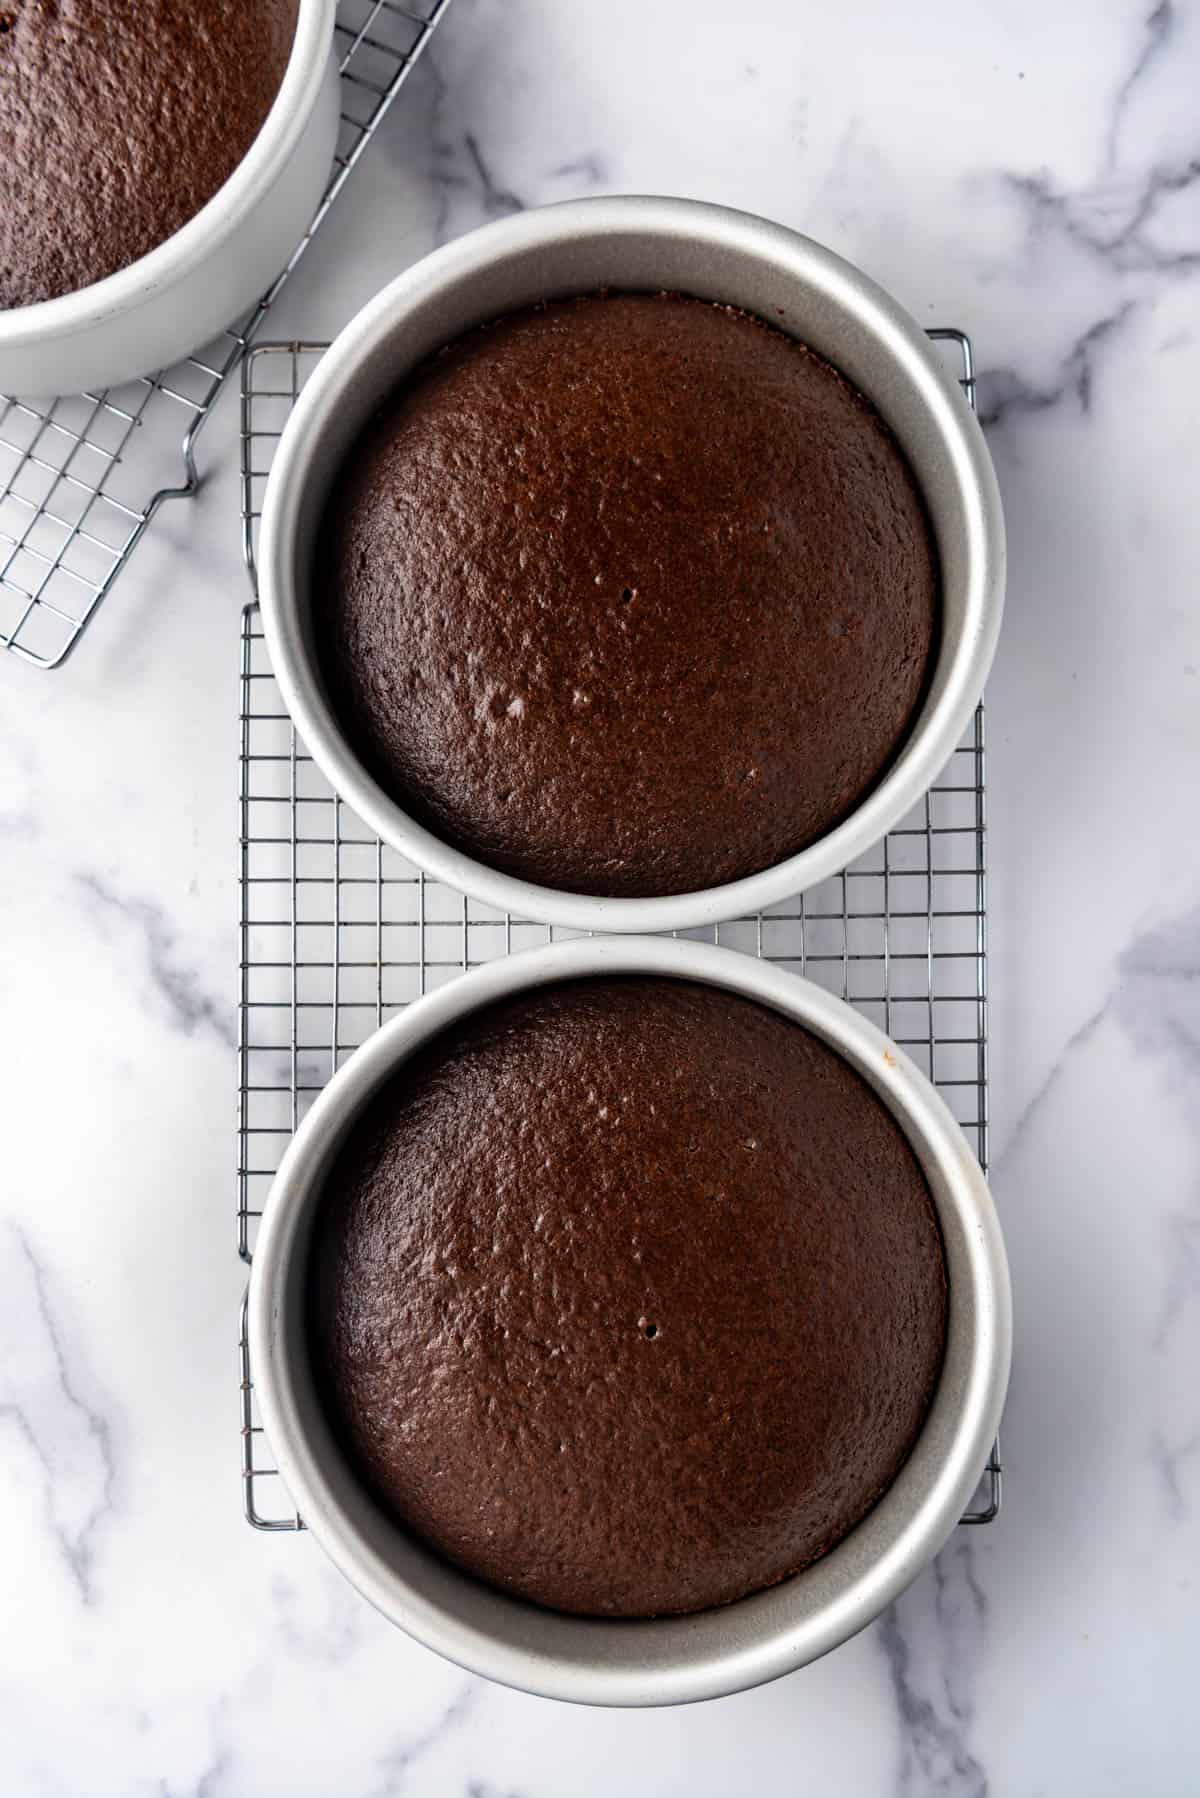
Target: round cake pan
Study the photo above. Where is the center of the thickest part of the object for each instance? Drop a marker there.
(644, 244)
(669, 1660)
(207, 274)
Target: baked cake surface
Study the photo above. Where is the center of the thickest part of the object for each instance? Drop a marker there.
(628, 1295)
(119, 120)
(627, 595)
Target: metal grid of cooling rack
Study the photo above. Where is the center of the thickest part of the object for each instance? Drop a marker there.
(81, 477)
(338, 932)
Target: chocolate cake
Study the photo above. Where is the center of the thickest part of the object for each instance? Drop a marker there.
(628, 1296)
(119, 119)
(627, 595)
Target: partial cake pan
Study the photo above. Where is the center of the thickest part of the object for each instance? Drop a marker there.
(207, 274)
(670, 1660)
(643, 244)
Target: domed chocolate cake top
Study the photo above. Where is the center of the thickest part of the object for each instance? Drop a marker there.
(119, 120)
(627, 594)
(628, 1296)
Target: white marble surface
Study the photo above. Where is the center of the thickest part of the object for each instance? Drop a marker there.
(1029, 172)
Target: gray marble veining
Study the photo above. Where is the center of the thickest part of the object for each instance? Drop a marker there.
(1031, 173)
(179, 988)
(45, 1408)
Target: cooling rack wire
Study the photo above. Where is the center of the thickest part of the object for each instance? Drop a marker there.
(338, 932)
(82, 477)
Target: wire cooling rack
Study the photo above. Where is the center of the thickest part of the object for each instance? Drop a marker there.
(338, 932)
(81, 478)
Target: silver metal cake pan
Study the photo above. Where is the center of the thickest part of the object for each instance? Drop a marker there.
(667, 1660)
(644, 244)
(207, 274)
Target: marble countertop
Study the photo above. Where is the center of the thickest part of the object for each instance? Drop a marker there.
(1027, 172)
